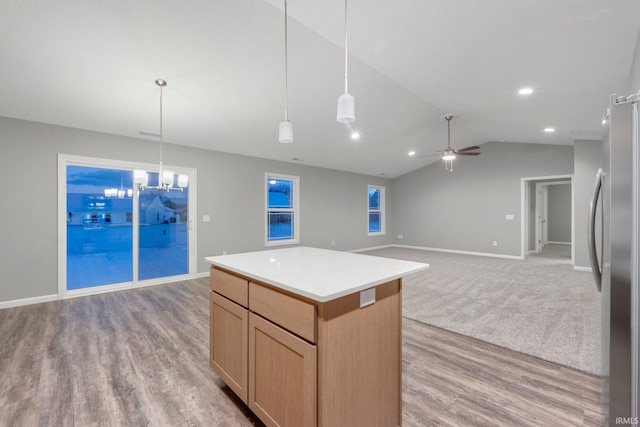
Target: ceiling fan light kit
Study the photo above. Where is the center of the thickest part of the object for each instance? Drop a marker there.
(449, 154)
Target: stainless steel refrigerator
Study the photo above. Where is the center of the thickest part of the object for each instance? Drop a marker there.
(615, 259)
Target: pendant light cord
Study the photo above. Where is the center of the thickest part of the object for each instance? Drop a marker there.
(161, 133)
(286, 65)
(346, 87)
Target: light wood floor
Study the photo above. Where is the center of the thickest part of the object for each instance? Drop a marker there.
(140, 357)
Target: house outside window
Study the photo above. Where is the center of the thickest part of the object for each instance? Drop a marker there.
(376, 214)
(282, 200)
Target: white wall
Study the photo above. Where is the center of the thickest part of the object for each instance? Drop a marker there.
(230, 190)
(465, 209)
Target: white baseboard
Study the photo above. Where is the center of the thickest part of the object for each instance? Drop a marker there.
(579, 268)
(28, 301)
(372, 248)
(453, 251)
(93, 291)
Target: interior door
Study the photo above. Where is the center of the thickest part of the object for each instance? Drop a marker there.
(541, 216)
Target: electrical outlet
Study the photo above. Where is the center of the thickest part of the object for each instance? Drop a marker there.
(495, 243)
(400, 236)
(333, 243)
(367, 297)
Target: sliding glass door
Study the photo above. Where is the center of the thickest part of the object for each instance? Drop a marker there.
(99, 226)
(115, 234)
(163, 230)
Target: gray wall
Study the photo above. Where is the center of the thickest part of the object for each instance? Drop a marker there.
(587, 160)
(465, 209)
(559, 213)
(634, 78)
(230, 190)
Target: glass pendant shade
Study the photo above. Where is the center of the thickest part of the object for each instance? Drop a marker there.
(448, 156)
(140, 177)
(167, 178)
(183, 180)
(285, 132)
(346, 109)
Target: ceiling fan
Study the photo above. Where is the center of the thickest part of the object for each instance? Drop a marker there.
(449, 154)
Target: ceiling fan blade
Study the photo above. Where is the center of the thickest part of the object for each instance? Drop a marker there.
(473, 147)
(468, 154)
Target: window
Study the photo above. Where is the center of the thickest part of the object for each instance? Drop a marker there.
(282, 207)
(376, 210)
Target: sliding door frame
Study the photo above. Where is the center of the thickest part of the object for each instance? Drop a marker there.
(65, 160)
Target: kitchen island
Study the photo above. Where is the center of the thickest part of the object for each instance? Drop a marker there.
(310, 337)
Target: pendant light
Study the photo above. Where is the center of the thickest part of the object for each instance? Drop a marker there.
(165, 177)
(346, 102)
(285, 131)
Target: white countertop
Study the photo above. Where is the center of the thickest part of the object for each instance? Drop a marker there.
(319, 274)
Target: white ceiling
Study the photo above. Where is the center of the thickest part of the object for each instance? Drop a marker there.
(92, 65)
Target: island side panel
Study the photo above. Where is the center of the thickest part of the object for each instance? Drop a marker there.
(360, 360)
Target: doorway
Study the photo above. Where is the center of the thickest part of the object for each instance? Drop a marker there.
(547, 220)
(113, 235)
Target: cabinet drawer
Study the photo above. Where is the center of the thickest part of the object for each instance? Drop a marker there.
(233, 287)
(297, 316)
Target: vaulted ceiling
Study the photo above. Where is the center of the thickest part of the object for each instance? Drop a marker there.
(92, 65)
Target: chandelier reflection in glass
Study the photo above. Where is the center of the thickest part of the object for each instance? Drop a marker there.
(165, 177)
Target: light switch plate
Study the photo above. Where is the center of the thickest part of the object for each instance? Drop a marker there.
(206, 218)
(508, 216)
(367, 297)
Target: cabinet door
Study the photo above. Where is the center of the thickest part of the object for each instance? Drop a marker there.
(228, 343)
(282, 375)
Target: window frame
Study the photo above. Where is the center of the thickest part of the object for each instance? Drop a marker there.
(380, 210)
(294, 210)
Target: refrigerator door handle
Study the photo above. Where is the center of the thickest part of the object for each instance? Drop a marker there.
(591, 234)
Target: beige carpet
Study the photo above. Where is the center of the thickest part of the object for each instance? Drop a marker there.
(539, 306)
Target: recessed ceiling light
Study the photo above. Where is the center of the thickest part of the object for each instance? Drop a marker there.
(355, 135)
(525, 91)
(549, 130)
(412, 153)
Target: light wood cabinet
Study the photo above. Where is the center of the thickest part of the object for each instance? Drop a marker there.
(302, 363)
(282, 375)
(228, 343)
